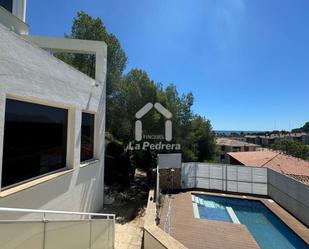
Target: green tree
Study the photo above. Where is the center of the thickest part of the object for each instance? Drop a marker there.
(293, 148)
(203, 139)
(86, 27)
(126, 94)
(305, 128)
(134, 91)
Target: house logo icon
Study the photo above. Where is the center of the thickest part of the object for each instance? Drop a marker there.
(143, 111)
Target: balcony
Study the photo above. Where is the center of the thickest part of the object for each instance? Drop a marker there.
(39, 229)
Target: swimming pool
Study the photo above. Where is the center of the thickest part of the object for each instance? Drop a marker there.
(267, 229)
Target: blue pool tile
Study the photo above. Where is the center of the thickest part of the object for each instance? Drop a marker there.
(267, 229)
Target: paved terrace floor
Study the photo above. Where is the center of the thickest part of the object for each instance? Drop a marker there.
(202, 234)
(129, 235)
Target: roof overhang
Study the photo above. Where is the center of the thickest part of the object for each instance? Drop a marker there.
(97, 48)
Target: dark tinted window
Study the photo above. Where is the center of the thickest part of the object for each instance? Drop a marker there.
(87, 137)
(8, 4)
(35, 141)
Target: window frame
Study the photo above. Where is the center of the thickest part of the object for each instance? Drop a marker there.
(68, 130)
(94, 157)
(11, 7)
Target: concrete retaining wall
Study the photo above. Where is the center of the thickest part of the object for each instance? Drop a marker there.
(290, 194)
(150, 242)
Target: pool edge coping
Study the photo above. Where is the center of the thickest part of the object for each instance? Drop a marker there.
(287, 218)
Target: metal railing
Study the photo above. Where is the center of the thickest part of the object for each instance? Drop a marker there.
(167, 222)
(89, 231)
(44, 212)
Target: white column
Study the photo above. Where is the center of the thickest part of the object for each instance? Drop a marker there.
(99, 148)
(74, 138)
(21, 9)
(101, 64)
(2, 120)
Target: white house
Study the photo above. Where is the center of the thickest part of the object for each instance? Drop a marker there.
(52, 120)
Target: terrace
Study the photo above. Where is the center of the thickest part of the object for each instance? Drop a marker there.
(227, 206)
(201, 233)
(70, 176)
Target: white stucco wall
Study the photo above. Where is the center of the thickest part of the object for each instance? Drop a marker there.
(31, 74)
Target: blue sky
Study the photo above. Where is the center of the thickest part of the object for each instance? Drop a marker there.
(246, 62)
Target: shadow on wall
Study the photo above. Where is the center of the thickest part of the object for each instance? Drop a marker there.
(92, 191)
(37, 196)
(75, 191)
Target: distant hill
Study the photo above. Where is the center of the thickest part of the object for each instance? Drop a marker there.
(305, 128)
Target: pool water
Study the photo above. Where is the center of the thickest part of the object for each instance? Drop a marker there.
(267, 229)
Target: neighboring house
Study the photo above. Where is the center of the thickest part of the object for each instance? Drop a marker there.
(230, 145)
(305, 139)
(254, 139)
(52, 120)
(264, 141)
(277, 161)
(267, 140)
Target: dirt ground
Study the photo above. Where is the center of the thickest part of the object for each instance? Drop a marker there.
(129, 207)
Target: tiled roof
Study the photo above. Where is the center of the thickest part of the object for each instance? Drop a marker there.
(253, 159)
(301, 178)
(288, 165)
(232, 142)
